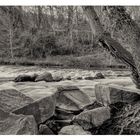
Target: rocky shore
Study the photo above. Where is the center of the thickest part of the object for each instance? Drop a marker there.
(49, 104)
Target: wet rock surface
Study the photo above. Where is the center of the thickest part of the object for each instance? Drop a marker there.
(79, 78)
(46, 76)
(57, 78)
(99, 75)
(68, 78)
(89, 78)
(26, 78)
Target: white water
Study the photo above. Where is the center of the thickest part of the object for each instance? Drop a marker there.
(13, 71)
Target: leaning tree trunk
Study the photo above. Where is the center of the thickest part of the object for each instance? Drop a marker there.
(114, 46)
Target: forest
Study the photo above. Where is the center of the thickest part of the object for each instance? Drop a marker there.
(46, 34)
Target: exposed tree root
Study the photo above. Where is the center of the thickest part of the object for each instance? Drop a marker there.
(125, 120)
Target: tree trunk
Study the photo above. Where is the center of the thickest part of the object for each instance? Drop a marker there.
(39, 16)
(11, 42)
(124, 30)
(114, 47)
(70, 25)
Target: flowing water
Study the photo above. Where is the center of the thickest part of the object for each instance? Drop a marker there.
(8, 72)
(13, 71)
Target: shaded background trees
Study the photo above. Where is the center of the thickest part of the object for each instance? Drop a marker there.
(41, 30)
(36, 32)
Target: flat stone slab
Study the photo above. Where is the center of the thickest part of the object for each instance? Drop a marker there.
(73, 130)
(71, 98)
(90, 91)
(92, 118)
(108, 94)
(11, 124)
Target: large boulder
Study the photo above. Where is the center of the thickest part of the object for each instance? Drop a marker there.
(46, 76)
(29, 100)
(71, 98)
(73, 130)
(25, 78)
(11, 124)
(42, 109)
(110, 94)
(11, 99)
(92, 118)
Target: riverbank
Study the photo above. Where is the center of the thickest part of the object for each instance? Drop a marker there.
(82, 62)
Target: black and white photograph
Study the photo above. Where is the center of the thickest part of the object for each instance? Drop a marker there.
(69, 70)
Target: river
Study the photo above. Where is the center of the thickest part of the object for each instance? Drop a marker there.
(14, 70)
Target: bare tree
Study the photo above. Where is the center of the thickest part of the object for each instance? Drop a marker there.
(11, 21)
(70, 25)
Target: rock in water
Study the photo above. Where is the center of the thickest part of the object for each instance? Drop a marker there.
(25, 78)
(99, 75)
(68, 78)
(11, 99)
(92, 118)
(57, 78)
(46, 76)
(79, 78)
(73, 130)
(11, 124)
(71, 98)
(90, 78)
